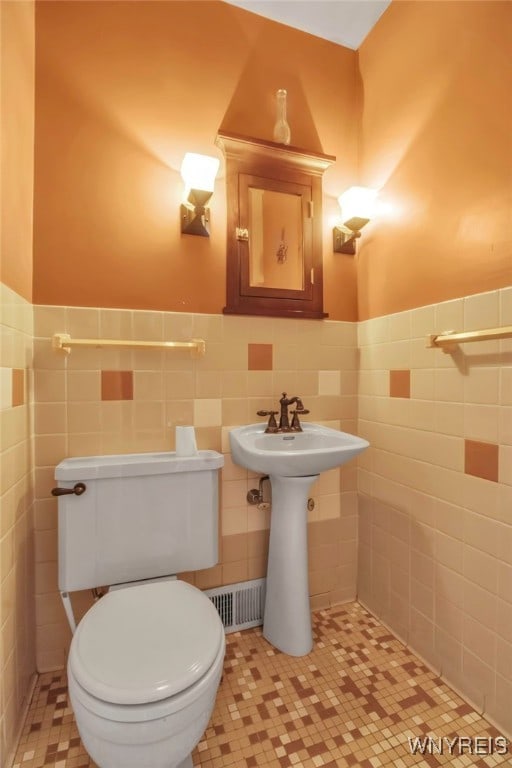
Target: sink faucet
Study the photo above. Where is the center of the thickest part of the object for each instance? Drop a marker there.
(284, 424)
(284, 419)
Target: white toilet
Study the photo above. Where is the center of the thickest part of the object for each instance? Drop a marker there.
(146, 660)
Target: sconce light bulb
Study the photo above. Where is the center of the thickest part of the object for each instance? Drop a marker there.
(199, 171)
(358, 202)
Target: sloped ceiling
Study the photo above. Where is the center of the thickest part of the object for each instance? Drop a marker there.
(345, 22)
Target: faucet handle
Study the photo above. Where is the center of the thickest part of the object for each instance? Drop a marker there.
(295, 426)
(272, 425)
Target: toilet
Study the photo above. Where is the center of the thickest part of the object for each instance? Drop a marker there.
(146, 660)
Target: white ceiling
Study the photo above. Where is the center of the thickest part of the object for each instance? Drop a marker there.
(346, 22)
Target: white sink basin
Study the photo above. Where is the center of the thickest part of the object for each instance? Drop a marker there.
(293, 454)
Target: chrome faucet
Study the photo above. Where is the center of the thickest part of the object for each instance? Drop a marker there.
(284, 419)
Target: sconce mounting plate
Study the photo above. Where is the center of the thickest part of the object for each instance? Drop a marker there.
(343, 242)
(195, 216)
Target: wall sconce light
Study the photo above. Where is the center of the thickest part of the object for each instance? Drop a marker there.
(357, 208)
(198, 172)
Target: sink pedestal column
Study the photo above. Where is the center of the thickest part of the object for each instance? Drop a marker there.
(287, 617)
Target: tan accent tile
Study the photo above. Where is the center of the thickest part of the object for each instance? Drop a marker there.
(257, 567)
(259, 357)
(233, 573)
(257, 543)
(481, 459)
(18, 386)
(400, 383)
(234, 548)
(188, 576)
(117, 385)
(209, 577)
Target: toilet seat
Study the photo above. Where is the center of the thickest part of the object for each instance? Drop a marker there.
(146, 644)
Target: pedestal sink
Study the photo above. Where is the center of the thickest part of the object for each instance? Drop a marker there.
(293, 461)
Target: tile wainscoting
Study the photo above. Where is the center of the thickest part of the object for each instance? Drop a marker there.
(435, 512)
(17, 657)
(97, 401)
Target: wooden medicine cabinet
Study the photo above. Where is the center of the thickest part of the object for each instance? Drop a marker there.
(274, 228)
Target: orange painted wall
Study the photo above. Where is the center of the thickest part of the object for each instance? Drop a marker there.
(123, 90)
(437, 139)
(17, 145)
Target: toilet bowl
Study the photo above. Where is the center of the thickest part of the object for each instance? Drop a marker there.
(143, 671)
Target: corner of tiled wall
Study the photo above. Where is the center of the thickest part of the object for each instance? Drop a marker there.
(17, 641)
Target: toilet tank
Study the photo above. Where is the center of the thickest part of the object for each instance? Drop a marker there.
(141, 516)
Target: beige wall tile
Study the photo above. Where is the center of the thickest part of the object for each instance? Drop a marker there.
(236, 411)
(49, 320)
(84, 417)
(49, 449)
(258, 519)
(207, 412)
(179, 385)
(449, 316)
(49, 386)
(260, 384)
(481, 311)
(234, 493)
(208, 384)
(116, 324)
(147, 385)
(482, 386)
(50, 418)
(83, 322)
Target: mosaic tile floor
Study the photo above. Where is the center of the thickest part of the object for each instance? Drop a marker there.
(354, 702)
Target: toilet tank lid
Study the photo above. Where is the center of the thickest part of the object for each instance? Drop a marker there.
(136, 464)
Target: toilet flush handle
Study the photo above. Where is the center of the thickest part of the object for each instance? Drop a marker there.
(77, 489)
